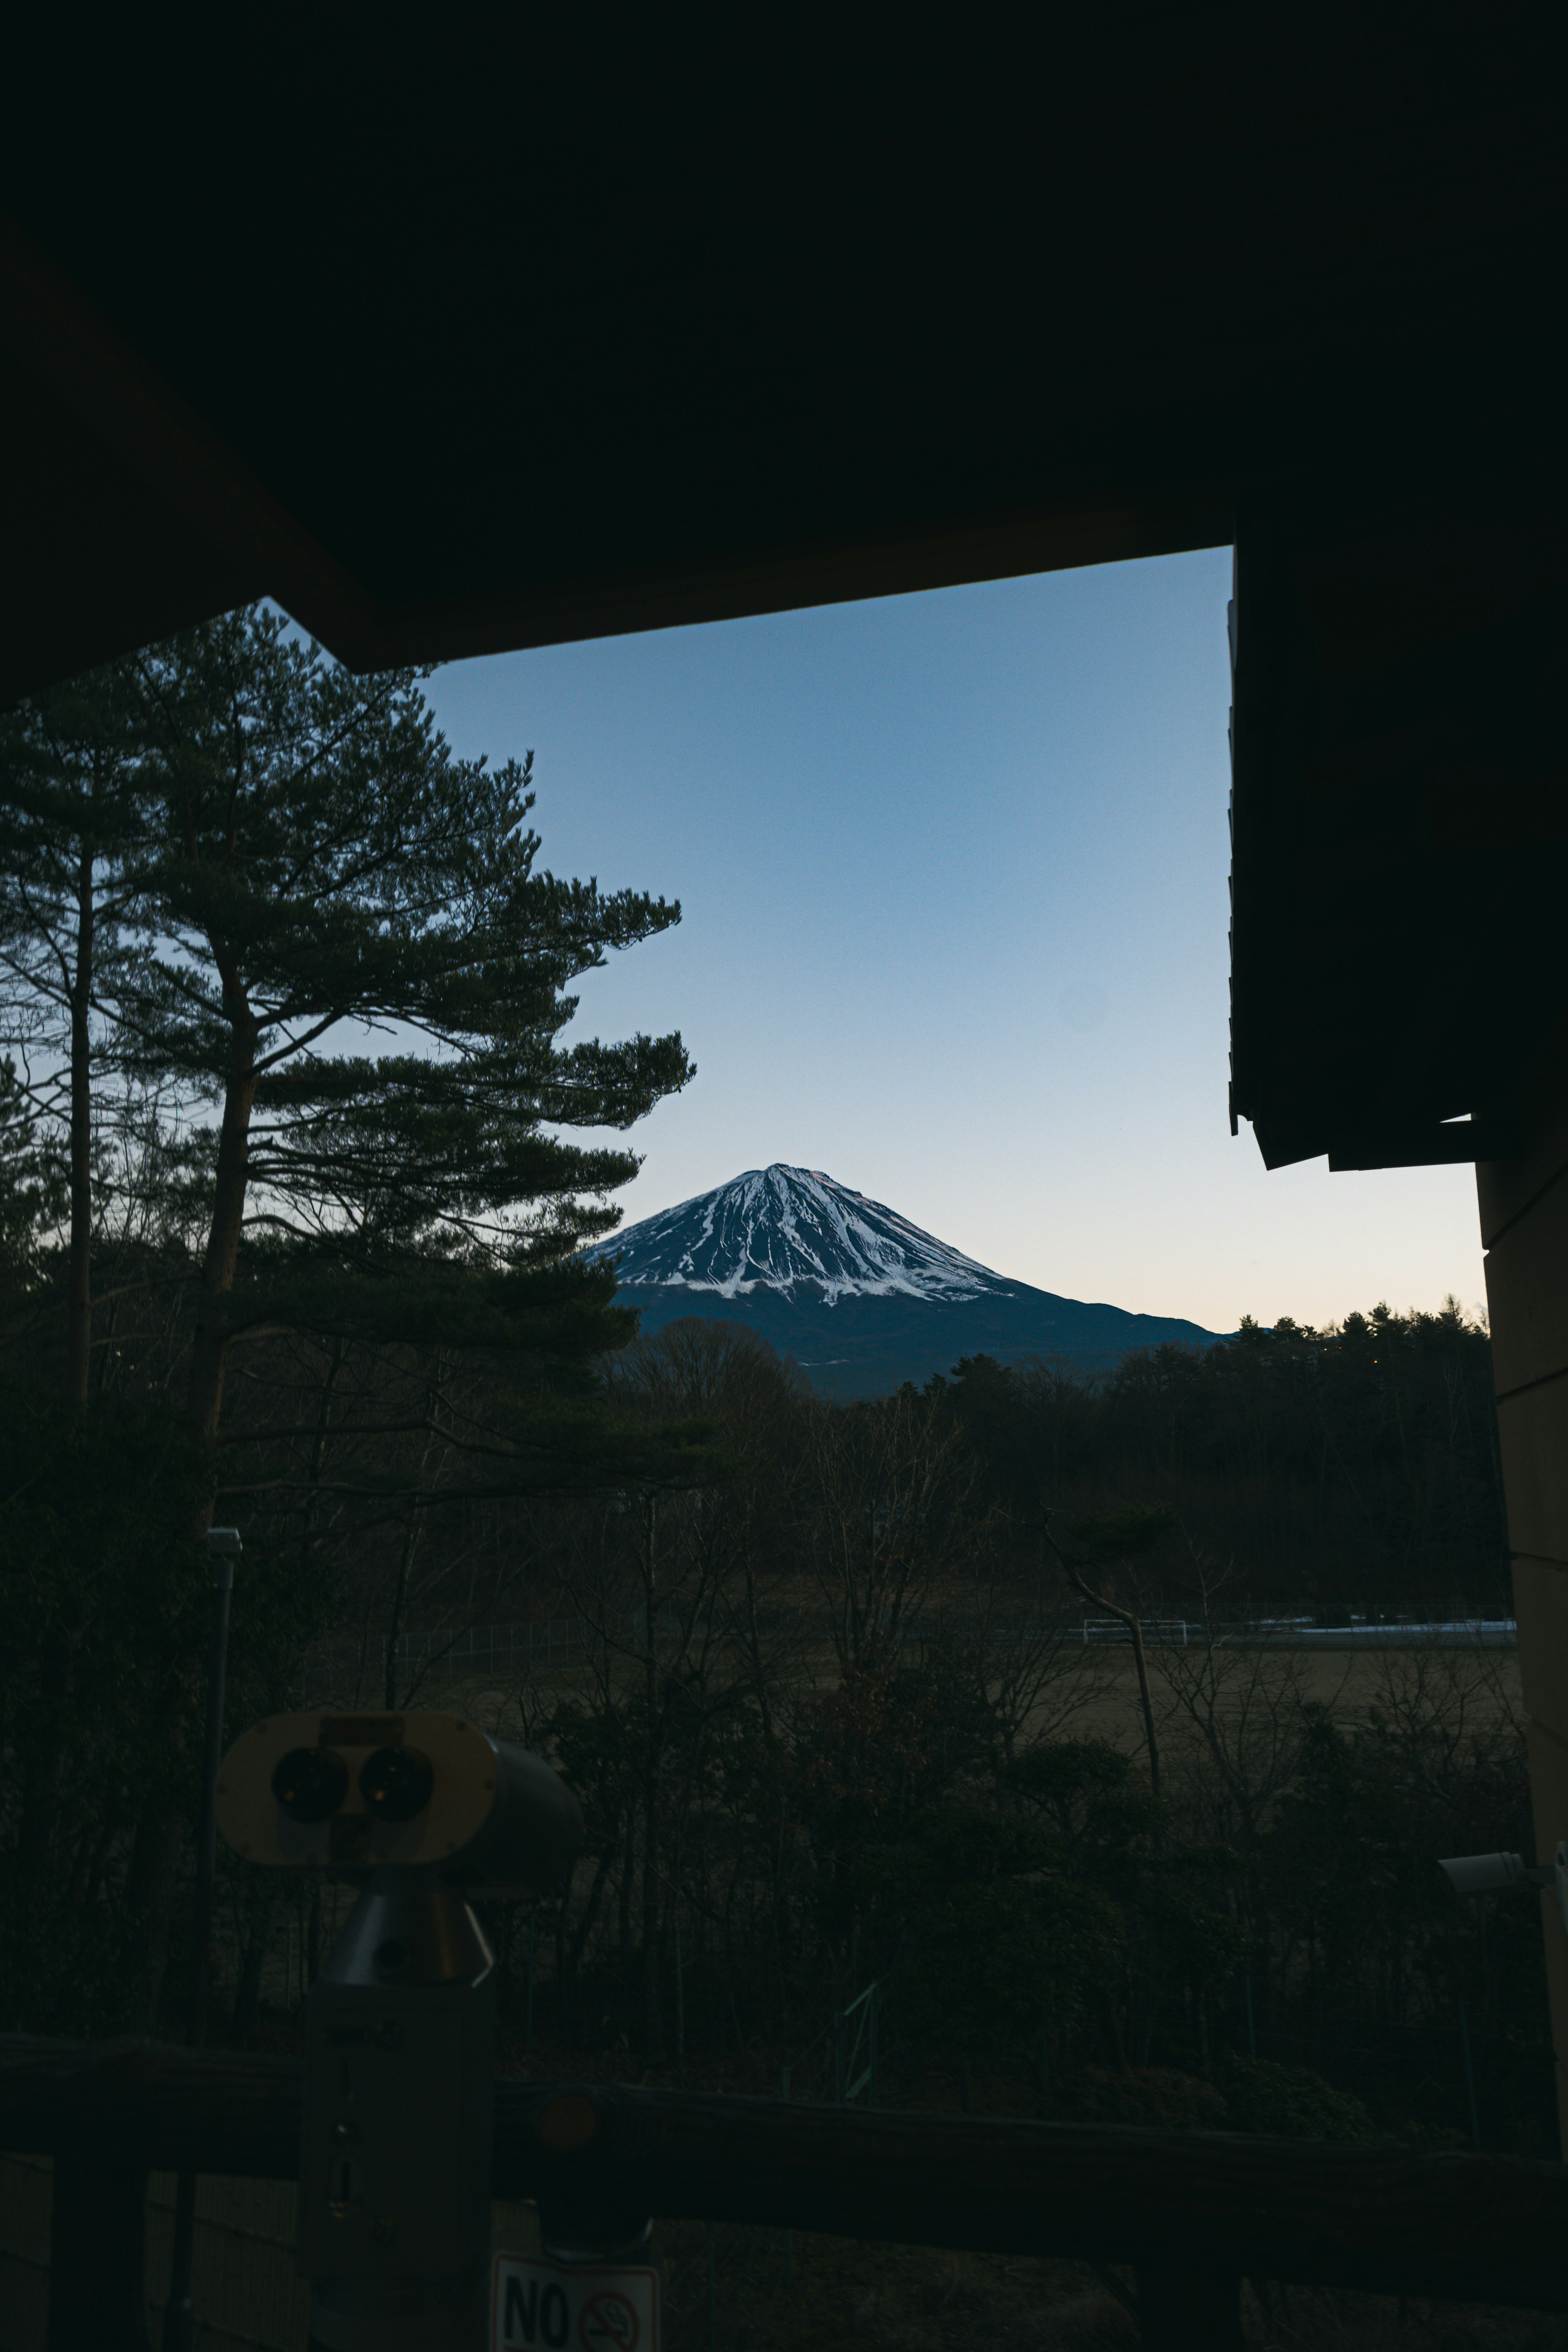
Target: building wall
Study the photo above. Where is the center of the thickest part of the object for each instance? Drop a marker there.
(1524, 1229)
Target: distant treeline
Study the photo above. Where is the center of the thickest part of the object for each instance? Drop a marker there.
(1358, 1463)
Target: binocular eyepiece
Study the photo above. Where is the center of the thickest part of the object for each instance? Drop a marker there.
(425, 1790)
(310, 1783)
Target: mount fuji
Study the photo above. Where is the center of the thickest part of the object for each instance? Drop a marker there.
(862, 1298)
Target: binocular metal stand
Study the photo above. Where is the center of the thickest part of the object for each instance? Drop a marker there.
(395, 2168)
(394, 2178)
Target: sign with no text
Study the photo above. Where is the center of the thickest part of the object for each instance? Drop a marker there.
(542, 2306)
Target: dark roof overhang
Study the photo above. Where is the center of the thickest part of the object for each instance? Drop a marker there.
(460, 335)
(455, 335)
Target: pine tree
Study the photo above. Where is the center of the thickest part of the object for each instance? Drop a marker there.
(71, 832)
(31, 1183)
(328, 873)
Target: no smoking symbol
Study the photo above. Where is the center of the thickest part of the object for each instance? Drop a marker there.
(608, 2324)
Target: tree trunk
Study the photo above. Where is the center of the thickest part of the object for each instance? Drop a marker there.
(577, 1942)
(399, 1602)
(1144, 1700)
(247, 1992)
(205, 1396)
(410, 1546)
(1129, 1619)
(623, 1891)
(149, 1891)
(97, 2252)
(313, 1934)
(653, 2029)
(79, 1324)
(41, 1766)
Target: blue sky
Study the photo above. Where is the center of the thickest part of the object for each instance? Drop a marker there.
(952, 869)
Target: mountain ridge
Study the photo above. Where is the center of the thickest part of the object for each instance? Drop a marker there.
(862, 1297)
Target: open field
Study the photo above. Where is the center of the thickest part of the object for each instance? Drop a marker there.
(1091, 1693)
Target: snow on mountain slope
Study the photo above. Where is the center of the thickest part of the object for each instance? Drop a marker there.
(801, 1233)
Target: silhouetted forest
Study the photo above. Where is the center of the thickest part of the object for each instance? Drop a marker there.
(825, 1699)
(1353, 1464)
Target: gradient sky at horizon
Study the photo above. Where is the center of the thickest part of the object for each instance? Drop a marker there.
(952, 869)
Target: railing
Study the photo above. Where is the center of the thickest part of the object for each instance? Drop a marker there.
(1193, 2211)
(1358, 1633)
(441, 1659)
(840, 2066)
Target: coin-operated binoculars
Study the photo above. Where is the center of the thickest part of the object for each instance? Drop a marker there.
(424, 1809)
(1499, 1874)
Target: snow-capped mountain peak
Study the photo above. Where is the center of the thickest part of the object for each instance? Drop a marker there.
(799, 1232)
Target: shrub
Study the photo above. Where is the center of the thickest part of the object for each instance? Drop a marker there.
(1292, 2102)
(1156, 2096)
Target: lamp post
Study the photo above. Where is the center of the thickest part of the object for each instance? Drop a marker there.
(223, 1547)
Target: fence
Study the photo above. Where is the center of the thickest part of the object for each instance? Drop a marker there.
(247, 2294)
(438, 1659)
(706, 2293)
(1193, 2211)
(250, 2300)
(250, 2297)
(718, 2275)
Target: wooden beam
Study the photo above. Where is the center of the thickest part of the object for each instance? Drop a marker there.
(1060, 536)
(174, 527)
(131, 416)
(1181, 2310)
(167, 2107)
(97, 2252)
(1482, 2229)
